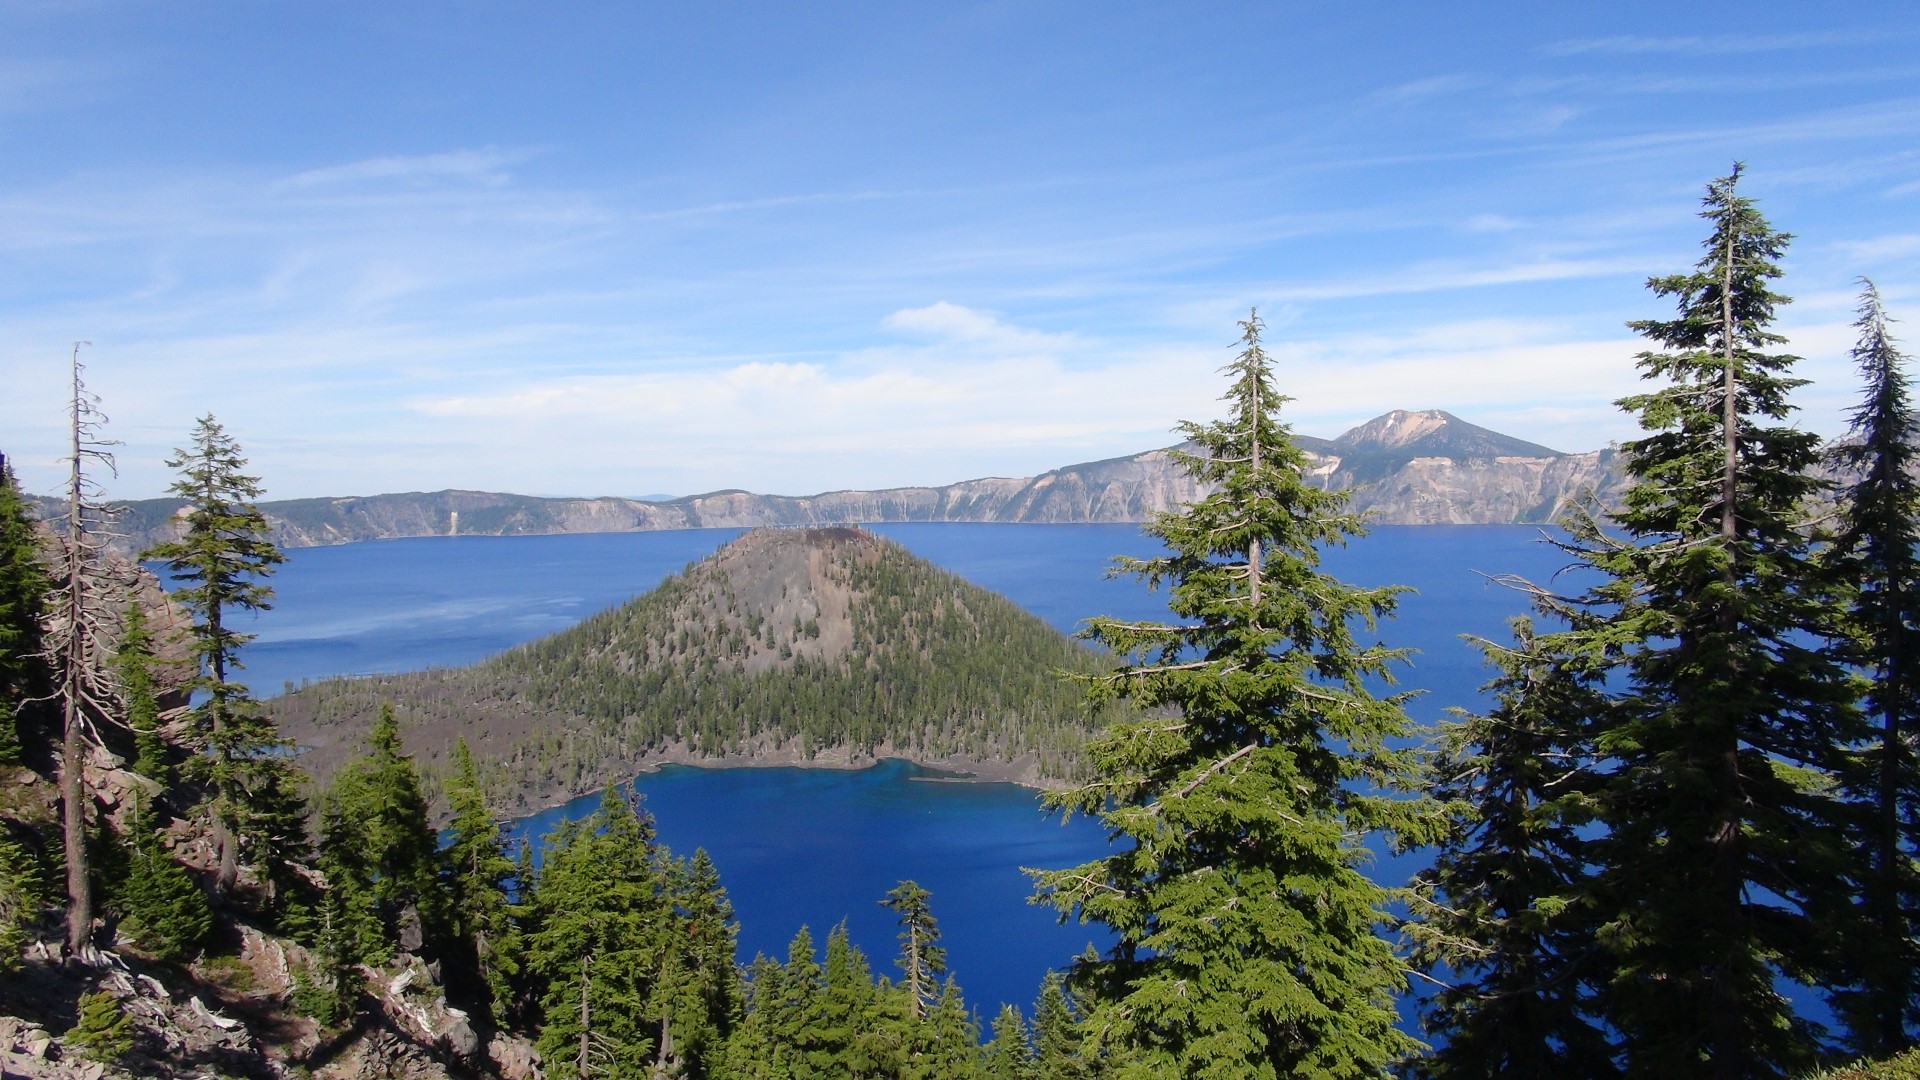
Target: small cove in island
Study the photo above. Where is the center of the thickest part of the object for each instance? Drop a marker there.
(805, 834)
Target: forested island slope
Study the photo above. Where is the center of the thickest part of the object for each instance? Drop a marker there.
(788, 645)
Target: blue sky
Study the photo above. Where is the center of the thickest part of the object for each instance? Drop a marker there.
(635, 248)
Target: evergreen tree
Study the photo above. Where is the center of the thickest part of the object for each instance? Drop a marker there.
(24, 585)
(922, 960)
(221, 558)
(159, 902)
(104, 1031)
(1009, 1055)
(1058, 1043)
(1877, 552)
(847, 1018)
(1720, 843)
(1246, 926)
(1504, 919)
(478, 873)
(375, 840)
(134, 662)
(597, 907)
(20, 900)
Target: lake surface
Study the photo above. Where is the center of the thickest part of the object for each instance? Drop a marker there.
(817, 846)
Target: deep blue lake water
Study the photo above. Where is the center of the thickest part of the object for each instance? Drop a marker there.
(815, 846)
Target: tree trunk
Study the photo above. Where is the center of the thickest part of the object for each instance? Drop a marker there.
(73, 787)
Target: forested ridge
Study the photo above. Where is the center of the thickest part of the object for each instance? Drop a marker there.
(785, 645)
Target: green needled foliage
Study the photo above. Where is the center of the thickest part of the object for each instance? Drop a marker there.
(1877, 553)
(163, 907)
(630, 952)
(1721, 846)
(374, 840)
(138, 691)
(1246, 922)
(922, 960)
(24, 585)
(105, 1030)
(1503, 920)
(221, 558)
(478, 873)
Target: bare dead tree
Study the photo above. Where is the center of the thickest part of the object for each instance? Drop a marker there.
(83, 612)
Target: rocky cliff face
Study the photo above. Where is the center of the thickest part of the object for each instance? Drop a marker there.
(1404, 468)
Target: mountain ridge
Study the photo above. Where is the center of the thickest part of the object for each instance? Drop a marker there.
(1405, 467)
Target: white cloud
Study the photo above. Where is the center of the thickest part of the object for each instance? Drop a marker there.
(1895, 246)
(487, 167)
(1708, 45)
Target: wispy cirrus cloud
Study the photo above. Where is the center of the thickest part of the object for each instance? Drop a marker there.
(1708, 45)
(487, 167)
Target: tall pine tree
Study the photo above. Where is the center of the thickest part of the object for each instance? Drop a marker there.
(1720, 844)
(1246, 926)
(1877, 552)
(221, 558)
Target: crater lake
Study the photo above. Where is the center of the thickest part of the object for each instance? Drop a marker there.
(818, 846)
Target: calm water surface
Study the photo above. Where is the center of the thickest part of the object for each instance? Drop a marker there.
(816, 846)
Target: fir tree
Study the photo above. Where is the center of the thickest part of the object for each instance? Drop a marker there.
(1058, 1042)
(24, 585)
(1720, 842)
(1009, 1054)
(1246, 926)
(160, 904)
(596, 909)
(374, 839)
(478, 873)
(922, 960)
(105, 1029)
(134, 662)
(1504, 919)
(221, 558)
(20, 900)
(1877, 552)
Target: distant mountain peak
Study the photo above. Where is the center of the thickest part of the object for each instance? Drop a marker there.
(1407, 433)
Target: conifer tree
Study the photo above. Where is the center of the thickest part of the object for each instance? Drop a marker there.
(1009, 1054)
(105, 1029)
(599, 907)
(847, 1014)
(375, 840)
(24, 585)
(478, 873)
(20, 900)
(1246, 924)
(1720, 845)
(160, 903)
(134, 661)
(221, 558)
(1504, 919)
(1877, 552)
(1059, 1046)
(922, 960)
